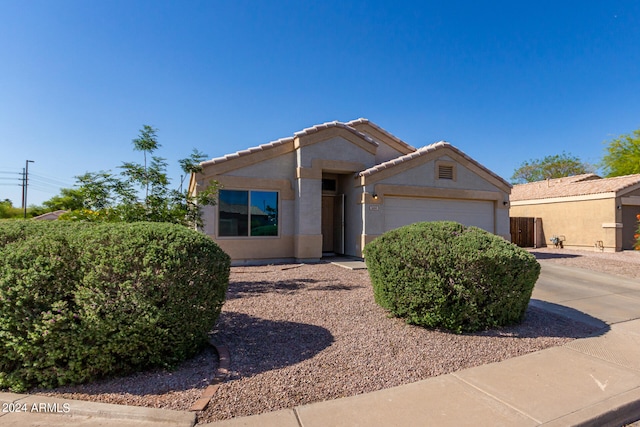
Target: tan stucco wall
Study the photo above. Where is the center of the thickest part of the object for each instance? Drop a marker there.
(297, 176)
(295, 170)
(336, 149)
(583, 223)
(425, 175)
(281, 167)
(418, 179)
(630, 204)
(386, 153)
(389, 147)
(242, 249)
(257, 248)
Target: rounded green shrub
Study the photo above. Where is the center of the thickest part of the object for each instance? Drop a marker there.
(83, 301)
(443, 274)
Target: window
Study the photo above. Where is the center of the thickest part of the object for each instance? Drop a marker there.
(328, 185)
(248, 213)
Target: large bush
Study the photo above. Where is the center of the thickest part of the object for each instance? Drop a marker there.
(443, 274)
(82, 301)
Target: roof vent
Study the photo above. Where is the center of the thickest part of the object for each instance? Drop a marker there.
(445, 172)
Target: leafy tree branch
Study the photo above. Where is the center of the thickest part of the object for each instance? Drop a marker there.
(552, 166)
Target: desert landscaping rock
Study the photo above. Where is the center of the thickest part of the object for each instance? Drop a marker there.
(625, 263)
(312, 333)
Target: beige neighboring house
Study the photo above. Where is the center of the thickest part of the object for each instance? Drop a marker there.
(334, 187)
(588, 211)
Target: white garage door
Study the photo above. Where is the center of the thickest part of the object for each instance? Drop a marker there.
(399, 211)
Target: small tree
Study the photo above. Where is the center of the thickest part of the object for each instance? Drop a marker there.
(7, 210)
(555, 166)
(68, 199)
(109, 197)
(623, 155)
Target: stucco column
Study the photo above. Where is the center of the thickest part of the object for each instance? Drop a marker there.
(308, 219)
(501, 219)
(372, 211)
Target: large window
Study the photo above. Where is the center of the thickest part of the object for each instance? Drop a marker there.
(248, 213)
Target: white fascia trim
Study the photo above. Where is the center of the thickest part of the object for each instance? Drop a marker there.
(611, 225)
(631, 201)
(564, 199)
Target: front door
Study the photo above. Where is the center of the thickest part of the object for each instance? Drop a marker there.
(333, 223)
(327, 223)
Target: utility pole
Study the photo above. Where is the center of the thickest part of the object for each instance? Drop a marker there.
(26, 185)
(23, 174)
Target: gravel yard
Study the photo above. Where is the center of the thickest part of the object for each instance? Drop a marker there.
(625, 263)
(305, 333)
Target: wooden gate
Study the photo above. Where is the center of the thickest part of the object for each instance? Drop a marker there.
(522, 231)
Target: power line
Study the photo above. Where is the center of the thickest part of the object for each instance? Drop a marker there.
(43, 187)
(44, 183)
(27, 180)
(56, 181)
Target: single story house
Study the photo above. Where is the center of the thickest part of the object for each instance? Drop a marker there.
(334, 187)
(585, 211)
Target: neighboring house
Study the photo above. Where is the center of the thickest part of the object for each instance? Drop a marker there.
(50, 215)
(587, 211)
(334, 187)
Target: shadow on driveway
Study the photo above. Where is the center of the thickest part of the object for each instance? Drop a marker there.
(571, 315)
(549, 255)
(544, 319)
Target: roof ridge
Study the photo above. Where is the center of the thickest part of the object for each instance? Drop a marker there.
(363, 120)
(556, 188)
(335, 123)
(624, 176)
(423, 150)
(249, 150)
(306, 131)
(570, 181)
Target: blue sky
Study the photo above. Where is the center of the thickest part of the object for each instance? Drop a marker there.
(504, 81)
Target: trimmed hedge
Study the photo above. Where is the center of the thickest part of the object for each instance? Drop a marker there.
(83, 301)
(443, 274)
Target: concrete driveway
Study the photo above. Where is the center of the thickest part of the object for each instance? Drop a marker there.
(585, 295)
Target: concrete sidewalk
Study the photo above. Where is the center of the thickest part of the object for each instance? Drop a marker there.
(592, 381)
(588, 382)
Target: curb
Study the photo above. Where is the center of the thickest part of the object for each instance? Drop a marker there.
(222, 372)
(105, 410)
(618, 411)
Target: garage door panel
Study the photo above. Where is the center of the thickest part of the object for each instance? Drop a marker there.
(400, 211)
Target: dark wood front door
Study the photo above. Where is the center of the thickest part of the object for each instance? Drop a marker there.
(327, 223)
(333, 223)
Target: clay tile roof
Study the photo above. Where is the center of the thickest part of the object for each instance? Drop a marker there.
(281, 141)
(422, 151)
(578, 185)
(317, 128)
(248, 151)
(362, 120)
(402, 159)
